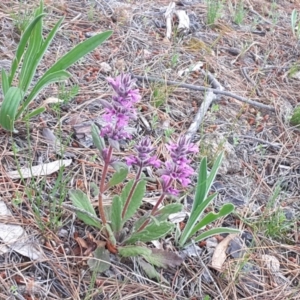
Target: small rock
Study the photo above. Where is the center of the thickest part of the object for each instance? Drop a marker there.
(235, 248)
(211, 244)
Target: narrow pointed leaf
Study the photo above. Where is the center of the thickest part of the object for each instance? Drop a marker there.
(128, 251)
(9, 107)
(4, 82)
(116, 211)
(136, 200)
(21, 46)
(51, 78)
(215, 231)
(214, 170)
(118, 177)
(34, 113)
(150, 233)
(81, 200)
(193, 219)
(225, 210)
(201, 190)
(79, 51)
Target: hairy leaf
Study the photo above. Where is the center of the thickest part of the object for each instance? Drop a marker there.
(118, 177)
(150, 233)
(97, 139)
(163, 259)
(136, 200)
(100, 262)
(166, 211)
(116, 211)
(81, 200)
(128, 251)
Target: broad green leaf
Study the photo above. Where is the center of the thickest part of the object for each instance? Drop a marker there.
(116, 211)
(9, 107)
(162, 258)
(225, 210)
(4, 82)
(21, 46)
(128, 251)
(118, 177)
(140, 221)
(150, 233)
(136, 200)
(79, 51)
(97, 139)
(81, 200)
(44, 81)
(101, 260)
(193, 219)
(34, 113)
(165, 212)
(215, 231)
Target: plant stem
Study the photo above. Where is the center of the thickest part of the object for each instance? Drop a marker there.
(131, 192)
(154, 209)
(102, 185)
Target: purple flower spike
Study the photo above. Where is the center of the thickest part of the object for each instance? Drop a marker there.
(121, 109)
(144, 156)
(178, 169)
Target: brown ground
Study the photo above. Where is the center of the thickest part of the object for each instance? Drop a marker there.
(254, 60)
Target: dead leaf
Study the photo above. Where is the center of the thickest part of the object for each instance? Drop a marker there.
(14, 237)
(219, 255)
(52, 100)
(40, 170)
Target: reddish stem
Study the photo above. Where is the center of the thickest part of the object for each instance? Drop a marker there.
(102, 185)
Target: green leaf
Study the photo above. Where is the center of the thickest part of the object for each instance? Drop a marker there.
(194, 217)
(97, 139)
(44, 81)
(4, 81)
(164, 259)
(201, 190)
(21, 46)
(116, 211)
(29, 60)
(9, 107)
(150, 233)
(79, 51)
(81, 200)
(128, 251)
(126, 190)
(166, 211)
(215, 231)
(136, 200)
(118, 177)
(213, 172)
(34, 113)
(211, 217)
(151, 272)
(38, 51)
(101, 260)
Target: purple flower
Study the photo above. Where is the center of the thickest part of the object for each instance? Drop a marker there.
(144, 157)
(121, 109)
(178, 169)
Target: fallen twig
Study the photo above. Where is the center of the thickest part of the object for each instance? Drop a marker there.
(205, 89)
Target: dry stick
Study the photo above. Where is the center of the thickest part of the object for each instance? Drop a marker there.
(208, 99)
(205, 89)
